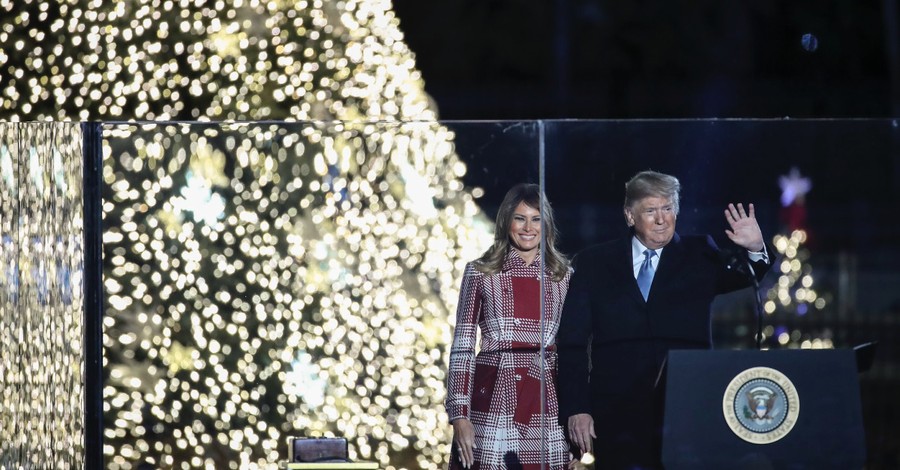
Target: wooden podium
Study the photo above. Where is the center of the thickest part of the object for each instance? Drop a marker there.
(760, 410)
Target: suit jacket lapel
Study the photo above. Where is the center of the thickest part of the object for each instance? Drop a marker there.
(669, 261)
(625, 265)
(666, 270)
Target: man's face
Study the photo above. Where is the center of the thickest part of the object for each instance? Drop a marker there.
(653, 219)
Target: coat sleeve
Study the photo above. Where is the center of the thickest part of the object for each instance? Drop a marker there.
(731, 278)
(573, 339)
(462, 351)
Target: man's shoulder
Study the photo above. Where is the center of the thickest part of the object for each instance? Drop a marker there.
(610, 246)
(697, 241)
(601, 250)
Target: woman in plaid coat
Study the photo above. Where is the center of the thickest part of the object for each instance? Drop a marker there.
(494, 398)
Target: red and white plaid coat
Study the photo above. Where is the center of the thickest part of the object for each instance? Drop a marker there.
(499, 390)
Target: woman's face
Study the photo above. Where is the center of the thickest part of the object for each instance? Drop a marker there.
(525, 231)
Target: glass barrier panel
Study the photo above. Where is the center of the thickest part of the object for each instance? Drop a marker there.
(268, 280)
(821, 192)
(41, 296)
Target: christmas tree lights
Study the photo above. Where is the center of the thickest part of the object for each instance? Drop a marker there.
(261, 279)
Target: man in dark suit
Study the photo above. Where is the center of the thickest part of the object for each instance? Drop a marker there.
(629, 302)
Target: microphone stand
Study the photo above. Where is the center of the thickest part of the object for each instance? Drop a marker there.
(759, 311)
(739, 261)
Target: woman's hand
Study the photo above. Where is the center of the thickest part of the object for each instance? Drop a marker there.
(464, 440)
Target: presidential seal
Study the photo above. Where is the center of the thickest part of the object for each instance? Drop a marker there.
(761, 405)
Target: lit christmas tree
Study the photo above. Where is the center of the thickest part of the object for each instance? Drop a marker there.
(261, 280)
(794, 293)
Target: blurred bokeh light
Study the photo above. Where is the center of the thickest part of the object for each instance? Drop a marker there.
(262, 280)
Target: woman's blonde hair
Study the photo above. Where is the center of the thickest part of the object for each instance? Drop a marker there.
(491, 261)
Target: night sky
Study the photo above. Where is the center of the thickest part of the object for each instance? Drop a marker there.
(534, 59)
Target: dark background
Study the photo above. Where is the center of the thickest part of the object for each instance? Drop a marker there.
(538, 59)
(769, 63)
(727, 96)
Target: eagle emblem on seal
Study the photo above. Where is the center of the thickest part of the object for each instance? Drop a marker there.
(761, 405)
